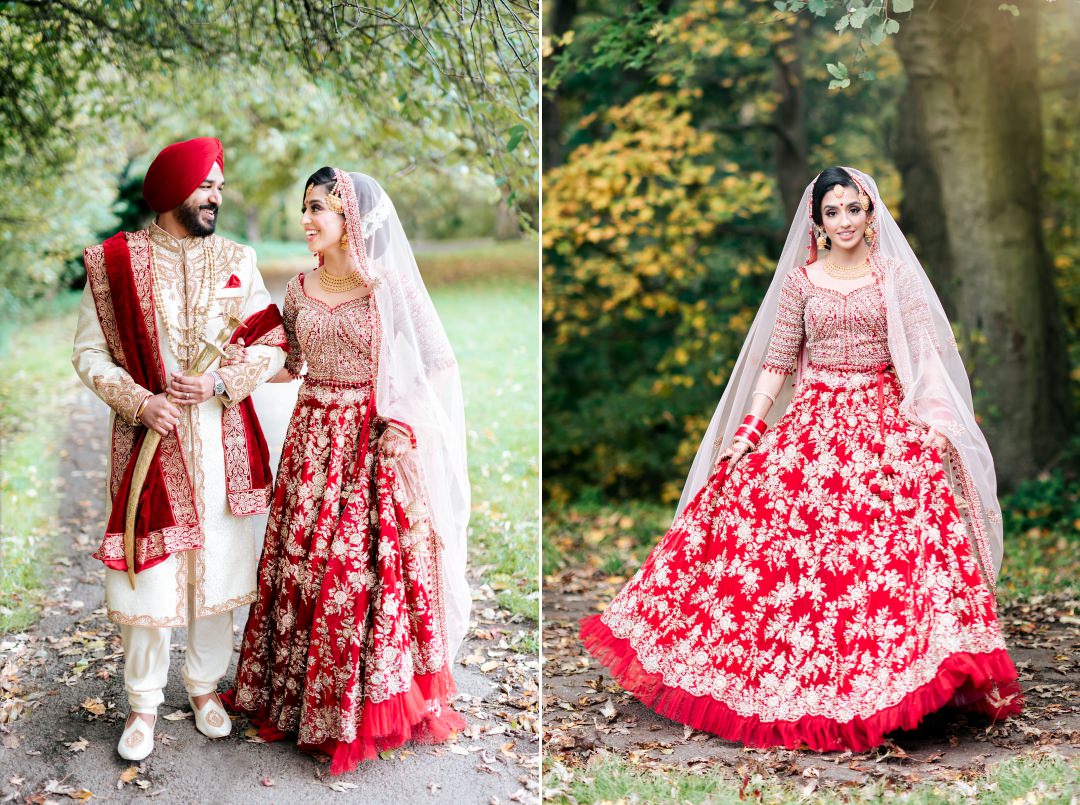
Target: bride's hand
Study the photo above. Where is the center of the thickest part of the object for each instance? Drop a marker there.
(733, 455)
(235, 353)
(936, 439)
(393, 445)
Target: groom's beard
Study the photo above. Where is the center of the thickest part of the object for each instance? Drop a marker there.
(188, 215)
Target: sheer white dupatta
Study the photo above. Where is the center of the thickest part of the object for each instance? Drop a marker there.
(925, 357)
(417, 380)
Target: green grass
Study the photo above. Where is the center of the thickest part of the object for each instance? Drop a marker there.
(494, 327)
(1029, 780)
(448, 262)
(35, 379)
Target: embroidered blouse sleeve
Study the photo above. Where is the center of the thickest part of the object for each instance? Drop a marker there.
(294, 361)
(788, 332)
(97, 367)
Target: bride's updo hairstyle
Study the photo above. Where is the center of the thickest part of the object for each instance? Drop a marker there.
(826, 181)
(323, 177)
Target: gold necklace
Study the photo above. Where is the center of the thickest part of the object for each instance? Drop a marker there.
(185, 343)
(839, 272)
(334, 284)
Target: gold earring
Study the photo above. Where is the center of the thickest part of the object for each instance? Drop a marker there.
(822, 241)
(345, 241)
(870, 234)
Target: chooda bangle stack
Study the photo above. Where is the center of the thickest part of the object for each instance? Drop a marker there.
(750, 431)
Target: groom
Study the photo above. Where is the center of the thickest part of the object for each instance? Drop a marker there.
(151, 298)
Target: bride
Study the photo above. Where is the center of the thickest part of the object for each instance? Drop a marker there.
(829, 576)
(362, 598)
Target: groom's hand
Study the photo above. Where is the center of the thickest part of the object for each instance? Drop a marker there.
(188, 390)
(160, 414)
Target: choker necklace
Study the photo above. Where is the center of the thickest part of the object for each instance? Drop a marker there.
(839, 272)
(333, 284)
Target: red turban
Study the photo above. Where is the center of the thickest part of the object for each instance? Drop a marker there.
(178, 170)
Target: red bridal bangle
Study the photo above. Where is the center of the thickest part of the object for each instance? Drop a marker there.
(755, 422)
(751, 430)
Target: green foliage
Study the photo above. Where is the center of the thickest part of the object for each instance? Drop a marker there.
(641, 262)
(871, 20)
(423, 100)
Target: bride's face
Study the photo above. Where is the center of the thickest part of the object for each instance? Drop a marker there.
(843, 219)
(323, 227)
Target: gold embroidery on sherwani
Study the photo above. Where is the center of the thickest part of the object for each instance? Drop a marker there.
(241, 379)
(98, 280)
(120, 393)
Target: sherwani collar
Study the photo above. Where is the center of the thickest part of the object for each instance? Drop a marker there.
(163, 239)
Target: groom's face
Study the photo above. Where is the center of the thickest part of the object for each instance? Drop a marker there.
(198, 214)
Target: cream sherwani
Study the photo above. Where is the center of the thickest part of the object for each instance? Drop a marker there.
(220, 576)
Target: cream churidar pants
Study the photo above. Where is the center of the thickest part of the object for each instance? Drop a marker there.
(146, 658)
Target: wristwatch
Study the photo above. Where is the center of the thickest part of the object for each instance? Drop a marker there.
(219, 384)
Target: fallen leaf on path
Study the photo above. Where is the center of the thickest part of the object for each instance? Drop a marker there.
(95, 706)
(77, 746)
(127, 775)
(178, 715)
(69, 791)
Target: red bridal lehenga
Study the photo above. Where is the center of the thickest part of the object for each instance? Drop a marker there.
(825, 592)
(346, 645)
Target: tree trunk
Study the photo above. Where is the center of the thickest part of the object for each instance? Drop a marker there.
(251, 218)
(972, 167)
(789, 141)
(506, 222)
(561, 15)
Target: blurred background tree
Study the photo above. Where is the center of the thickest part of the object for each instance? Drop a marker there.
(678, 137)
(436, 100)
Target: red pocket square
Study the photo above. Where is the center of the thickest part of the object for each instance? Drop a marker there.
(234, 282)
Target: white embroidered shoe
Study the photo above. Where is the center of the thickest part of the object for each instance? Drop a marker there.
(136, 741)
(212, 721)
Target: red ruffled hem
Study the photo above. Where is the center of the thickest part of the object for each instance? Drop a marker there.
(984, 683)
(420, 715)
